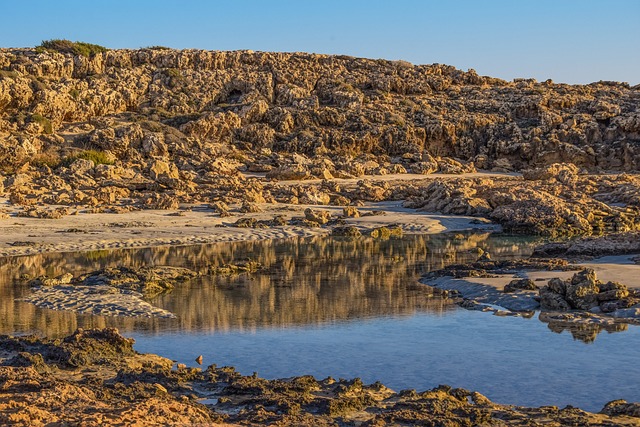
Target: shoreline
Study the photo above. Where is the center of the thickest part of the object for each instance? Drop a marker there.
(186, 389)
(106, 152)
(201, 225)
(126, 386)
(488, 291)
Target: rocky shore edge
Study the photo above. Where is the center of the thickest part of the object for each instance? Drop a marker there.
(558, 280)
(95, 377)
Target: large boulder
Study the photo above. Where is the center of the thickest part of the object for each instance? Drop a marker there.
(585, 292)
(582, 291)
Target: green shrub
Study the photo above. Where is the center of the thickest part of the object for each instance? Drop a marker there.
(174, 73)
(158, 48)
(97, 157)
(47, 127)
(67, 46)
(74, 93)
(46, 159)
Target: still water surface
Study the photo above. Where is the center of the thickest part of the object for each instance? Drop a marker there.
(345, 308)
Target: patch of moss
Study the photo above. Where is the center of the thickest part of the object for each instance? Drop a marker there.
(47, 127)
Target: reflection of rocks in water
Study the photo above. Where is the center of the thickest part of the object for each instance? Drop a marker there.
(582, 326)
(302, 281)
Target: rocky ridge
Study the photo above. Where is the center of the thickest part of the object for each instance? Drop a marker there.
(309, 103)
(156, 128)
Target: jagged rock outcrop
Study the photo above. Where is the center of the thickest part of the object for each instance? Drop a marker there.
(156, 128)
(311, 103)
(541, 206)
(585, 292)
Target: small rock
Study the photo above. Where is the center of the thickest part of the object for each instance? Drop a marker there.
(558, 286)
(159, 388)
(520, 284)
(320, 217)
(250, 208)
(351, 212)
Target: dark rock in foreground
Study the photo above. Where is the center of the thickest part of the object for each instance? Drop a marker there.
(94, 377)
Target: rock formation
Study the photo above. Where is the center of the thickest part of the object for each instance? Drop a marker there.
(584, 292)
(154, 128)
(158, 102)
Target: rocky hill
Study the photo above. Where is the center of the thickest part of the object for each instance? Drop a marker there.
(157, 102)
(158, 126)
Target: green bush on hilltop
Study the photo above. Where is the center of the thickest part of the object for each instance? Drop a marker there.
(67, 46)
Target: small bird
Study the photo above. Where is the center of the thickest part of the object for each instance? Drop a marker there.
(199, 360)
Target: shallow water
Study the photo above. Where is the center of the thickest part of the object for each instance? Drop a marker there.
(510, 360)
(347, 308)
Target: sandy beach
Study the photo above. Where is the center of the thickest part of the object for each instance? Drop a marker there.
(199, 224)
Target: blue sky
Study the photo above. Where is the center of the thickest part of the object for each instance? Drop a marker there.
(573, 41)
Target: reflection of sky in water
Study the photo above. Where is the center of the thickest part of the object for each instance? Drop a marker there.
(346, 308)
(511, 360)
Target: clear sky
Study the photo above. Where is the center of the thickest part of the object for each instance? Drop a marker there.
(573, 41)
